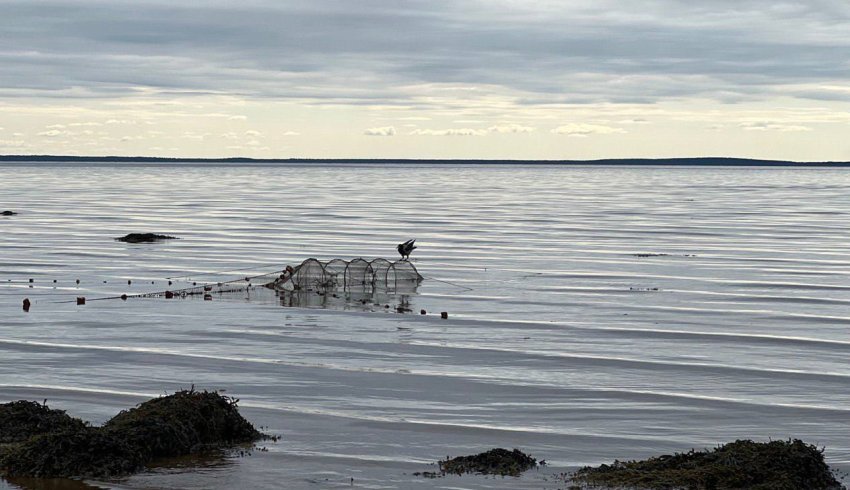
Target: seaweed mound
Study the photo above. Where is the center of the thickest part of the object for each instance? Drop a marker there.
(22, 419)
(183, 423)
(144, 238)
(772, 465)
(493, 462)
(86, 452)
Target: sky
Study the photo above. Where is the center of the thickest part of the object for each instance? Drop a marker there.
(543, 79)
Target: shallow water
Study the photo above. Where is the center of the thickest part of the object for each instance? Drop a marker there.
(564, 338)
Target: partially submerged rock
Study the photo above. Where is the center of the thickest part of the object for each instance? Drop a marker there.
(184, 423)
(493, 462)
(773, 465)
(22, 420)
(144, 238)
(8, 213)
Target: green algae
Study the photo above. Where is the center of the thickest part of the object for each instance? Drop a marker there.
(775, 465)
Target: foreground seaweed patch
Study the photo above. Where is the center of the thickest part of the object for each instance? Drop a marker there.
(22, 419)
(183, 423)
(186, 422)
(788, 465)
(493, 462)
(144, 238)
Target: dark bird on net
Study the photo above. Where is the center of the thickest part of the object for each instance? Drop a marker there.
(406, 248)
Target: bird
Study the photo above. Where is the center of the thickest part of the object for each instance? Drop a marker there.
(406, 248)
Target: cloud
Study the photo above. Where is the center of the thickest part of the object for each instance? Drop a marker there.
(254, 133)
(330, 50)
(238, 118)
(449, 132)
(290, 133)
(384, 131)
(640, 121)
(584, 130)
(510, 128)
(13, 144)
(766, 126)
(53, 133)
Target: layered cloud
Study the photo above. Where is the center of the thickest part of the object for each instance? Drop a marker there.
(346, 52)
(506, 69)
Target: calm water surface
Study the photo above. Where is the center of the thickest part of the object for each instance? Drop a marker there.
(594, 313)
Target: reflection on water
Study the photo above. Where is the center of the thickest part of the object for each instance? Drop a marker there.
(50, 484)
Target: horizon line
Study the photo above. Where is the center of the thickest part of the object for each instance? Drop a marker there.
(709, 160)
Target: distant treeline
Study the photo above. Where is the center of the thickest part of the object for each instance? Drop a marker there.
(698, 161)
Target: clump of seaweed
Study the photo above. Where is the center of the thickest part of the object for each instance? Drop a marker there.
(183, 423)
(85, 452)
(775, 465)
(144, 238)
(22, 420)
(186, 422)
(493, 462)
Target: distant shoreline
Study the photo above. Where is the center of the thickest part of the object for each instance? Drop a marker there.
(692, 161)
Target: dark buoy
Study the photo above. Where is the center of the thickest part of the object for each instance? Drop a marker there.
(247, 279)
(54, 281)
(423, 312)
(78, 281)
(81, 300)
(124, 297)
(129, 282)
(31, 281)
(169, 295)
(194, 284)
(169, 283)
(444, 315)
(27, 304)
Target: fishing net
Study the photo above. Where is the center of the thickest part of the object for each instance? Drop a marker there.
(357, 274)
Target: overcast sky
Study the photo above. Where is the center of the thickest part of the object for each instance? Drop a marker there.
(436, 78)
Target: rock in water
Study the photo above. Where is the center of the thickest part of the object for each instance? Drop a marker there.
(144, 238)
(8, 213)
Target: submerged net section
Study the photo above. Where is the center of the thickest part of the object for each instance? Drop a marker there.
(356, 274)
(309, 275)
(402, 275)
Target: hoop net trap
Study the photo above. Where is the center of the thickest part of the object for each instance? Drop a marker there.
(357, 275)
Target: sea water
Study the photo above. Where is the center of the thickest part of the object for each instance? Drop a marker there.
(594, 313)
